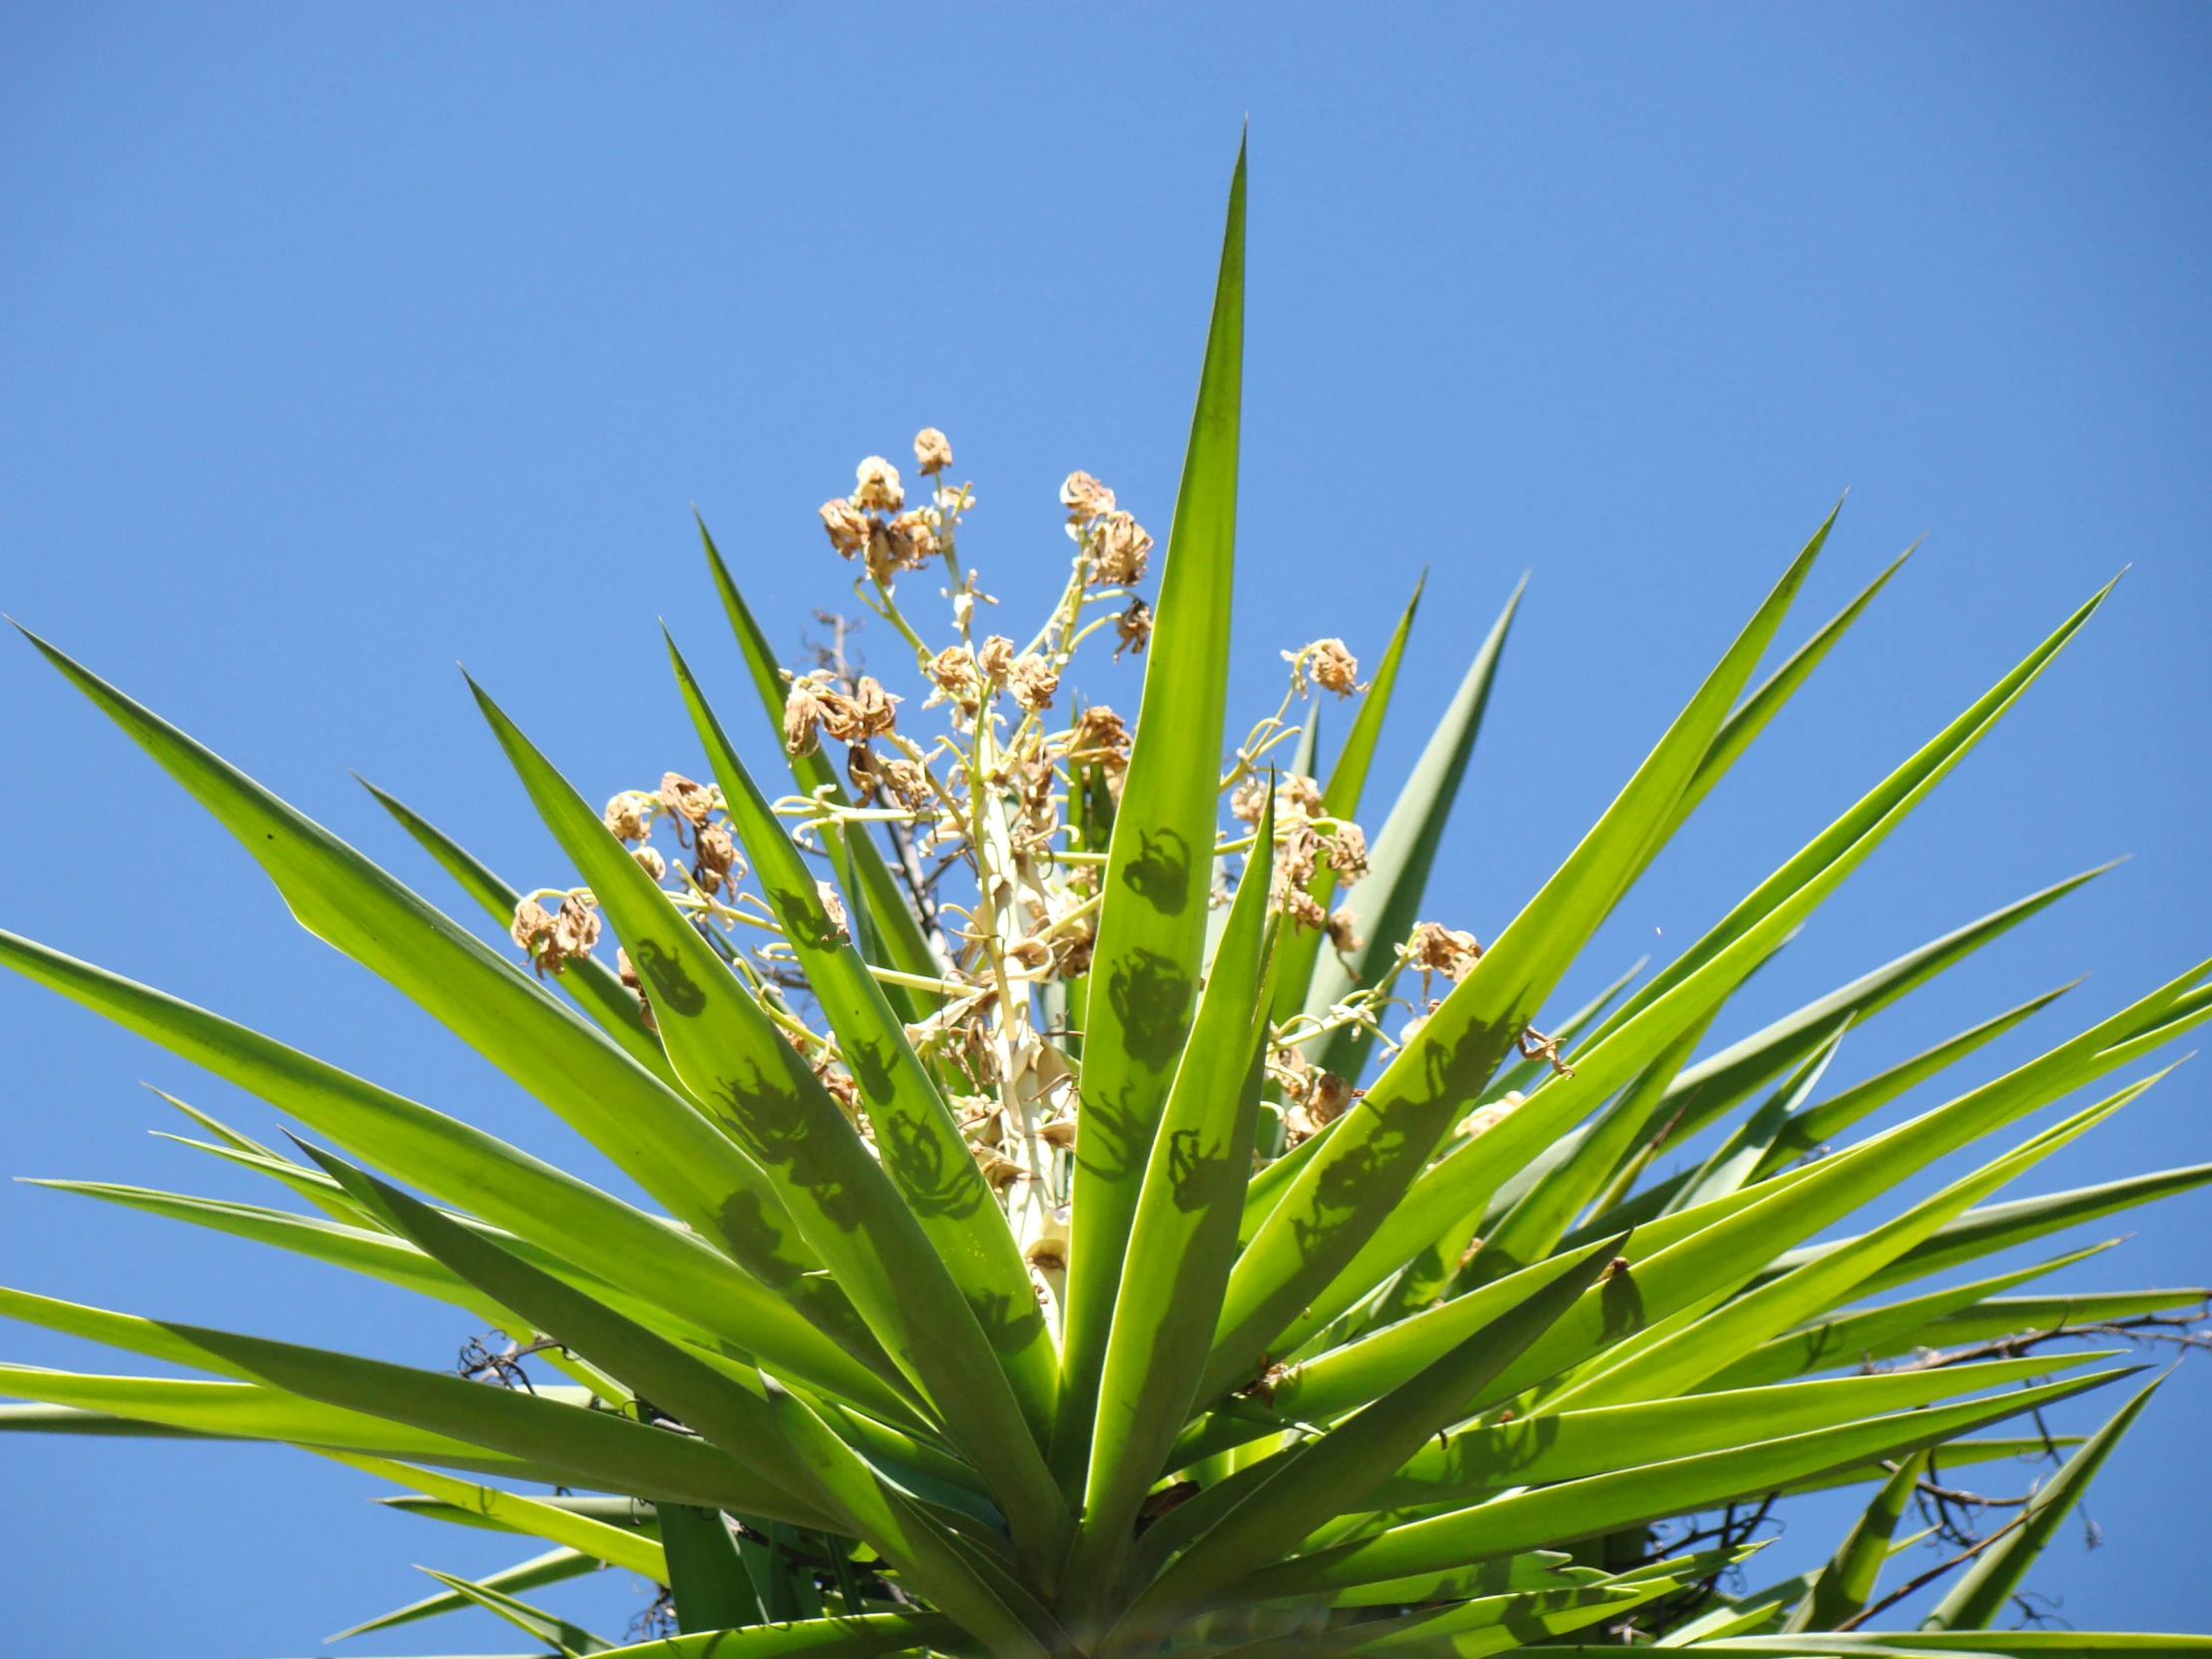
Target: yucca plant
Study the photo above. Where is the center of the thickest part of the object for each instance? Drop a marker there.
(1033, 1279)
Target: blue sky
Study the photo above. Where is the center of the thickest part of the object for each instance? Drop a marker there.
(341, 342)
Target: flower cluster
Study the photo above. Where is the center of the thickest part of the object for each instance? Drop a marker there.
(998, 824)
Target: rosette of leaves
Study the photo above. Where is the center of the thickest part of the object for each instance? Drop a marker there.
(1455, 1373)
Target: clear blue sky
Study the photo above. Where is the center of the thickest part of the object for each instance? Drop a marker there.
(339, 343)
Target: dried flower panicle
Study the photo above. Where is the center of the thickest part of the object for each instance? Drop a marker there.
(995, 821)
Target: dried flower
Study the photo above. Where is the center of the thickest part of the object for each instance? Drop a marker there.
(995, 657)
(1048, 1256)
(687, 799)
(1348, 854)
(861, 771)
(1123, 550)
(1341, 932)
(953, 669)
(907, 781)
(1098, 734)
(910, 541)
(1333, 668)
(804, 708)
(532, 922)
(714, 861)
(1034, 680)
(1133, 629)
(1085, 497)
(1296, 796)
(848, 526)
(1436, 948)
(835, 906)
(628, 816)
(878, 485)
(1298, 905)
(932, 451)
(650, 860)
(875, 707)
(1297, 850)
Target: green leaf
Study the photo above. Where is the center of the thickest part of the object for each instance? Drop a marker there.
(1632, 1496)
(733, 1057)
(1347, 779)
(249, 1412)
(917, 1546)
(1182, 1242)
(1551, 1444)
(864, 1637)
(1335, 1473)
(1685, 1357)
(1382, 1145)
(1387, 898)
(695, 1393)
(1996, 1226)
(572, 1640)
(1152, 922)
(1872, 1332)
(490, 1003)
(1904, 785)
(1818, 1124)
(920, 1141)
(712, 1592)
(609, 1451)
(1843, 1587)
(618, 1545)
(859, 863)
(567, 1217)
(598, 990)
(1987, 1587)
(553, 1567)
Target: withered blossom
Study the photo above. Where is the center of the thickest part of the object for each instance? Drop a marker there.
(1485, 1118)
(932, 451)
(954, 670)
(687, 799)
(876, 710)
(628, 816)
(1348, 854)
(1098, 734)
(848, 526)
(1133, 629)
(861, 773)
(878, 486)
(1436, 948)
(1333, 668)
(1085, 498)
(554, 940)
(835, 906)
(803, 709)
(650, 860)
(1034, 680)
(1123, 551)
(907, 781)
(715, 861)
(995, 657)
(1341, 934)
(627, 972)
(911, 540)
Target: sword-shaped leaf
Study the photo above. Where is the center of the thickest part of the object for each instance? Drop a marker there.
(553, 1567)
(648, 1131)
(1843, 1587)
(1632, 1496)
(1380, 1146)
(864, 1637)
(732, 1056)
(1387, 898)
(572, 1641)
(569, 1218)
(1987, 1587)
(1183, 1239)
(1152, 921)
